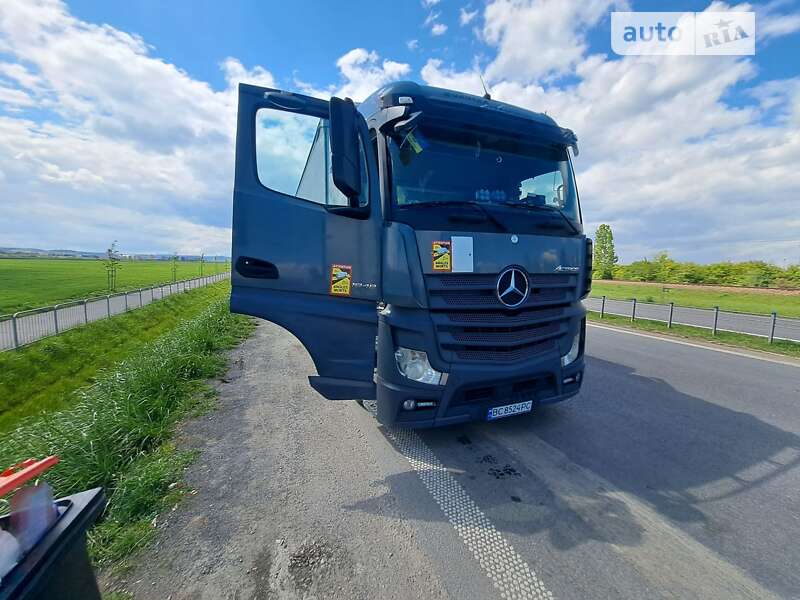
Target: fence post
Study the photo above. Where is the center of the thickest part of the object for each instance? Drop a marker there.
(633, 311)
(14, 330)
(126, 301)
(55, 317)
(772, 326)
(85, 313)
(603, 307)
(108, 306)
(716, 318)
(140, 298)
(671, 309)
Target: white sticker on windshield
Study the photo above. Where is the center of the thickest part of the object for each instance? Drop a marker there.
(462, 254)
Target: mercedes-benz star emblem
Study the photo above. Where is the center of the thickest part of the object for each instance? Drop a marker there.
(512, 287)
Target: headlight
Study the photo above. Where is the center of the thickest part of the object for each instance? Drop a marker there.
(414, 365)
(570, 356)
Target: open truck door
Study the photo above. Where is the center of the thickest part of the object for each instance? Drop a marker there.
(306, 226)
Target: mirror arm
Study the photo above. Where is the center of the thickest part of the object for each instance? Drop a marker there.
(353, 212)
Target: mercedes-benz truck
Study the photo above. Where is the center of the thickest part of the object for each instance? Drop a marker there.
(431, 257)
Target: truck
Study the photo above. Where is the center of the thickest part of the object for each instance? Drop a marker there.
(430, 256)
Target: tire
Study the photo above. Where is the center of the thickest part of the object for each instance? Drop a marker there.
(371, 406)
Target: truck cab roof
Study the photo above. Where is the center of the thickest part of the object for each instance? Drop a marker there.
(459, 107)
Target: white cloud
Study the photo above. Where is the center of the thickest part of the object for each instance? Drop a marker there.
(537, 37)
(438, 29)
(434, 73)
(412, 44)
(430, 3)
(122, 137)
(364, 73)
(665, 159)
(103, 139)
(771, 22)
(115, 128)
(465, 17)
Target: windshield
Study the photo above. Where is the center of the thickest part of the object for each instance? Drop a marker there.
(434, 165)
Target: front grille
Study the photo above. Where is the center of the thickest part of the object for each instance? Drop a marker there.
(504, 334)
(473, 325)
(487, 298)
(506, 354)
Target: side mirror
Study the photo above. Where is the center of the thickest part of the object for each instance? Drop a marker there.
(345, 159)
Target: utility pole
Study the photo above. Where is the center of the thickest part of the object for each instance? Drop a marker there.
(174, 267)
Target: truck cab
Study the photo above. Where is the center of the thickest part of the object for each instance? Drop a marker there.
(426, 247)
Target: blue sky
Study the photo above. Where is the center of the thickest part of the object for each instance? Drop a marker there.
(197, 36)
(118, 117)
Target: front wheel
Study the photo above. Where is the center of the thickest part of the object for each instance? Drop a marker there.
(371, 406)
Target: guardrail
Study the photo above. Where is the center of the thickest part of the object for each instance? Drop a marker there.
(28, 326)
(770, 326)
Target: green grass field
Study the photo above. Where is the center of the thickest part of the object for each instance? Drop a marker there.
(740, 301)
(33, 282)
(44, 376)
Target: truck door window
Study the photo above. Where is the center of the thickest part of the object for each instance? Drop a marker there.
(293, 157)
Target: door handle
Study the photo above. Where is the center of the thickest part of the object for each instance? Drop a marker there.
(256, 268)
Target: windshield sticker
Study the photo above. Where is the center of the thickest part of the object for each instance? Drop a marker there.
(416, 146)
(341, 279)
(440, 254)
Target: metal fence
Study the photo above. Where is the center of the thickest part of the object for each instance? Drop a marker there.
(28, 326)
(771, 326)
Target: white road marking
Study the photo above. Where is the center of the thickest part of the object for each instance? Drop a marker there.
(701, 346)
(508, 571)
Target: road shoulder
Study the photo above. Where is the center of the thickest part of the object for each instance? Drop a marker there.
(697, 343)
(274, 511)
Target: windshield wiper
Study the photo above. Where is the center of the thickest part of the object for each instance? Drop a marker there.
(547, 208)
(472, 204)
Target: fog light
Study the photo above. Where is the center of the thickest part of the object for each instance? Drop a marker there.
(570, 356)
(409, 404)
(414, 365)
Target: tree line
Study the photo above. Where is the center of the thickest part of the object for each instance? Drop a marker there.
(664, 269)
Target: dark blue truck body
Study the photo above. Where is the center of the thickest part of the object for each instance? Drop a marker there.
(423, 270)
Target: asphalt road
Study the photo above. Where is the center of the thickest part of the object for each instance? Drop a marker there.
(674, 474)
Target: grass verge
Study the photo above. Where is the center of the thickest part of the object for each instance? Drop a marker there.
(683, 331)
(116, 434)
(744, 301)
(34, 282)
(43, 377)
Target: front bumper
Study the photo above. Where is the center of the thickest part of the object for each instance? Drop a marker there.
(471, 388)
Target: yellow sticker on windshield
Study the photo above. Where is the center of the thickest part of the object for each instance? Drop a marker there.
(341, 279)
(441, 256)
(415, 145)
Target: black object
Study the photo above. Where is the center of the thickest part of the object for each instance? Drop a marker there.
(345, 159)
(58, 565)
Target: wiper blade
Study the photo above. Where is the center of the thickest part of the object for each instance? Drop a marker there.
(489, 216)
(553, 209)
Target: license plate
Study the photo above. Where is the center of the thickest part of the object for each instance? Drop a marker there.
(498, 412)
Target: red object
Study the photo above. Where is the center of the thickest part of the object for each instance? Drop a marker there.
(15, 476)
